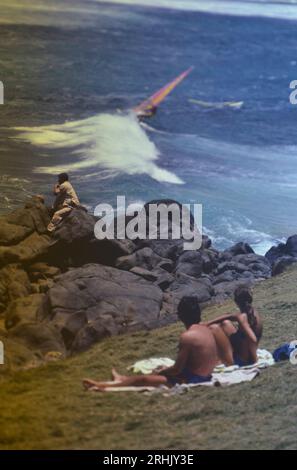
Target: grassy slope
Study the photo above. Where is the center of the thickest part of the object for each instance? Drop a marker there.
(46, 408)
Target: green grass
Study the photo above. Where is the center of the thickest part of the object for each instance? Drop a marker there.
(46, 408)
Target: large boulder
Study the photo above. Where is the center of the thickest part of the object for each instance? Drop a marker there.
(231, 266)
(226, 276)
(238, 269)
(240, 248)
(31, 249)
(184, 285)
(281, 264)
(19, 224)
(77, 244)
(23, 234)
(144, 258)
(159, 276)
(210, 258)
(77, 225)
(283, 249)
(282, 255)
(224, 290)
(291, 246)
(275, 252)
(258, 265)
(168, 247)
(190, 263)
(94, 301)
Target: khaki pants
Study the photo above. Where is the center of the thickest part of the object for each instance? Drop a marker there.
(57, 217)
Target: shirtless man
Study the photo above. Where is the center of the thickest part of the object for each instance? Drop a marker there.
(195, 361)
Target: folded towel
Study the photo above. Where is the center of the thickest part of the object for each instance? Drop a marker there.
(147, 366)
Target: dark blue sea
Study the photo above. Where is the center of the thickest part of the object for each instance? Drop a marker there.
(72, 70)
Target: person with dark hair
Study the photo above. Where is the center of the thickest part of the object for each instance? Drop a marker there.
(66, 200)
(243, 330)
(196, 359)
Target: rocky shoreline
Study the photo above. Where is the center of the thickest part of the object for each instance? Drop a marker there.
(61, 293)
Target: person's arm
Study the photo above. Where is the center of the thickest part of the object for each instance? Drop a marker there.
(241, 320)
(230, 316)
(181, 360)
(245, 326)
(56, 189)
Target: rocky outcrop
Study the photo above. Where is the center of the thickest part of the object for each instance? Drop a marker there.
(240, 248)
(283, 255)
(62, 292)
(23, 233)
(145, 258)
(190, 263)
(21, 223)
(76, 244)
(31, 261)
(188, 285)
(94, 301)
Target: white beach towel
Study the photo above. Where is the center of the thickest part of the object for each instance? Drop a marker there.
(222, 376)
(147, 366)
(218, 380)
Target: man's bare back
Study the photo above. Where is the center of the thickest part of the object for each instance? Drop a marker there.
(202, 350)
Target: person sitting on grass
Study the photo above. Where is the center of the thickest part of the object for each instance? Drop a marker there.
(195, 361)
(243, 331)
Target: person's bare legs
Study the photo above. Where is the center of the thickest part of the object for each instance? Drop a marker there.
(116, 376)
(224, 347)
(58, 217)
(128, 381)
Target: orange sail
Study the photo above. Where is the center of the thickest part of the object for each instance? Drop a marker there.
(149, 106)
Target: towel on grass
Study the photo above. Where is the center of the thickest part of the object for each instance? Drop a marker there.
(222, 376)
(147, 366)
(218, 380)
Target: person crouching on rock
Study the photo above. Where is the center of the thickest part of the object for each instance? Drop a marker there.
(238, 335)
(195, 361)
(66, 200)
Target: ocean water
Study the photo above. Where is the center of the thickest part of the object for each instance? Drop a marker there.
(73, 69)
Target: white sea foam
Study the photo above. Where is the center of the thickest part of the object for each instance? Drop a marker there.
(235, 230)
(108, 141)
(60, 13)
(65, 14)
(270, 9)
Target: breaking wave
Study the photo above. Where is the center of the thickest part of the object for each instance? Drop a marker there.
(108, 141)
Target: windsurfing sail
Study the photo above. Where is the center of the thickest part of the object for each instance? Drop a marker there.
(148, 107)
